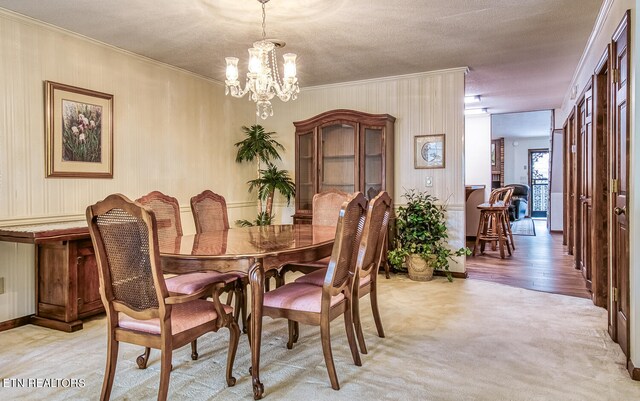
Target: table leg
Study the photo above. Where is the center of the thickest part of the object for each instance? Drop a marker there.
(256, 279)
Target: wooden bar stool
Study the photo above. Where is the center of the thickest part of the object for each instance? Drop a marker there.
(493, 226)
(505, 218)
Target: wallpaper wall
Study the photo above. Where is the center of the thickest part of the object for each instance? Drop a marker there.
(173, 131)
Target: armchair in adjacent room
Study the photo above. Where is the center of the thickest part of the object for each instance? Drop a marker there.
(519, 201)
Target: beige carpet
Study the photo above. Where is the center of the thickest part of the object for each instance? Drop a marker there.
(466, 340)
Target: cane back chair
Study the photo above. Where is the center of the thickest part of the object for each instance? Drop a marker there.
(167, 211)
(318, 306)
(367, 265)
(138, 305)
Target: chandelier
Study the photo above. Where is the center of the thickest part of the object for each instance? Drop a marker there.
(263, 78)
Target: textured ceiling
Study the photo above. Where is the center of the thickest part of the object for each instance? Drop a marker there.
(521, 53)
(521, 125)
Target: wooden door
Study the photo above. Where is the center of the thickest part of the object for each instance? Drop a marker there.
(620, 184)
(600, 198)
(584, 185)
(565, 180)
(570, 182)
(89, 301)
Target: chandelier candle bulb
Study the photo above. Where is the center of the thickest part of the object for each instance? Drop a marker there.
(289, 65)
(232, 68)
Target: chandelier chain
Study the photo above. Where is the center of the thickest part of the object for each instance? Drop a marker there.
(264, 25)
(274, 62)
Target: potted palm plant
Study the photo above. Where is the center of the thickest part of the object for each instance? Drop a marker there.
(260, 147)
(421, 238)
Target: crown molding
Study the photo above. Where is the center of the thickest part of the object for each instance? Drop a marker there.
(603, 14)
(24, 19)
(464, 70)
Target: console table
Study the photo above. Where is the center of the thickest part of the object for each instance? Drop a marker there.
(67, 283)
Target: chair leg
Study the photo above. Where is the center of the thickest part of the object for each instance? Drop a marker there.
(351, 337)
(480, 227)
(237, 307)
(292, 328)
(508, 224)
(245, 322)
(194, 350)
(357, 324)
(325, 337)
(234, 337)
(500, 239)
(165, 371)
(143, 359)
(507, 233)
(110, 369)
(248, 331)
(373, 294)
(494, 227)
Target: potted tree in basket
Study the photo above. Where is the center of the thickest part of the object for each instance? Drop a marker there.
(260, 147)
(421, 237)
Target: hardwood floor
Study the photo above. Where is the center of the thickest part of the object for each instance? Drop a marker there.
(539, 263)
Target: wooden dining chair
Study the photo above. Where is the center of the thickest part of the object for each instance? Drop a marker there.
(167, 212)
(370, 255)
(138, 305)
(325, 212)
(326, 207)
(318, 306)
(209, 212)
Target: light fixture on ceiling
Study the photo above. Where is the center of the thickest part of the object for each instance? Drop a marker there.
(472, 99)
(263, 79)
(470, 112)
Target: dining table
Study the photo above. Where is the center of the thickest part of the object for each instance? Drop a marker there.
(255, 251)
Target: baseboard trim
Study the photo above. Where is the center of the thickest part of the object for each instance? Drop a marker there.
(453, 274)
(13, 323)
(633, 371)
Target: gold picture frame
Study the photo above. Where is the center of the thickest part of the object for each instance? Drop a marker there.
(78, 132)
(429, 151)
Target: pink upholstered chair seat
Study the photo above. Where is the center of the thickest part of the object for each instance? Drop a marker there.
(298, 296)
(183, 317)
(317, 278)
(192, 282)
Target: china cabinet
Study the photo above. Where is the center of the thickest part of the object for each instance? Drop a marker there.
(343, 150)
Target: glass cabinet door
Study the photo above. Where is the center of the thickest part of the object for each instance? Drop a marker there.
(305, 175)
(373, 162)
(338, 146)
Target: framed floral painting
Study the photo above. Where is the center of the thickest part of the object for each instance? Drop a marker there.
(429, 151)
(79, 132)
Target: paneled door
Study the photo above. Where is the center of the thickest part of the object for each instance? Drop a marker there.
(620, 185)
(570, 184)
(585, 186)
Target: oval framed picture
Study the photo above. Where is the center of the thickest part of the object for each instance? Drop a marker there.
(429, 151)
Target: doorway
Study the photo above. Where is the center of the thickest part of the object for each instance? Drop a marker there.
(539, 182)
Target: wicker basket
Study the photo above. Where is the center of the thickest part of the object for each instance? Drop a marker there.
(420, 269)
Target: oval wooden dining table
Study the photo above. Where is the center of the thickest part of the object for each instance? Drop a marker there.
(254, 251)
